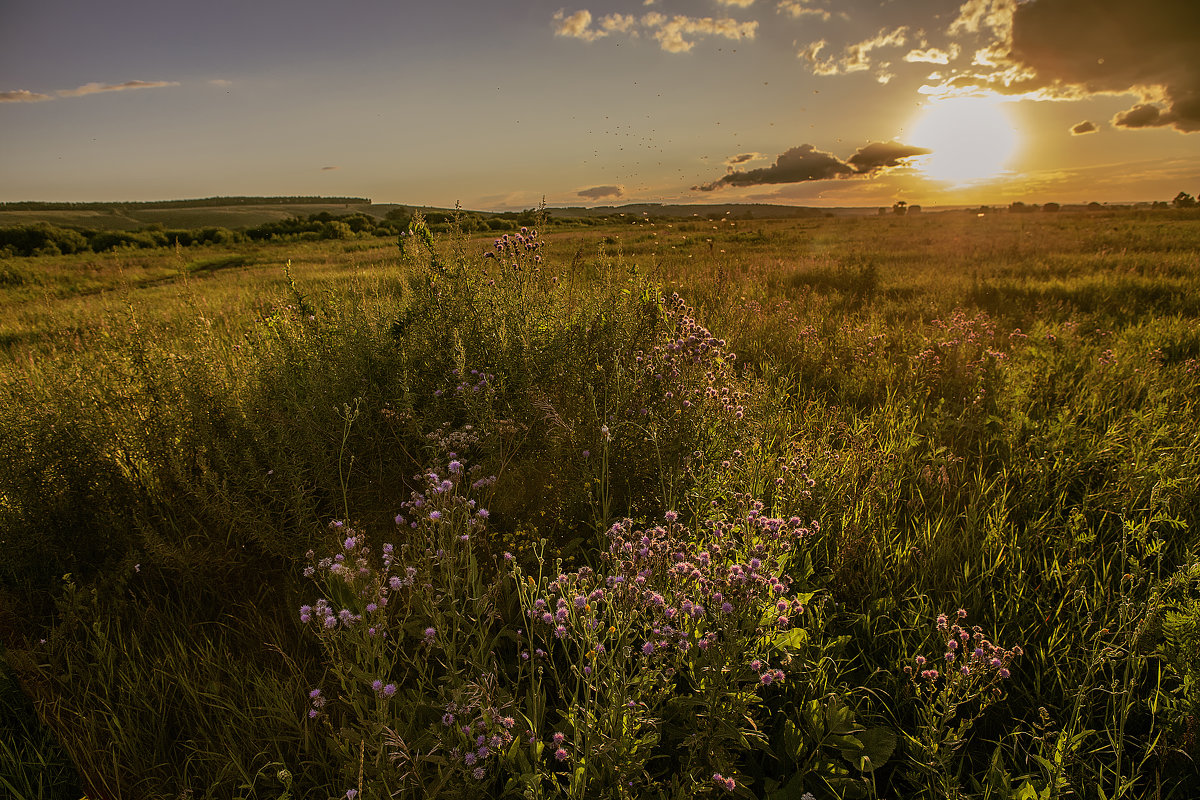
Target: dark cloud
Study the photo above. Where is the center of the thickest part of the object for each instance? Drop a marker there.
(1114, 46)
(807, 163)
(1087, 126)
(803, 163)
(879, 155)
(601, 192)
(741, 158)
(327, 169)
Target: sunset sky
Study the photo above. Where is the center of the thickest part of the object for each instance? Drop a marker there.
(496, 105)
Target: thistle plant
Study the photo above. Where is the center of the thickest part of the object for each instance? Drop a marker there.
(952, 690)
(409, 638)
(675, 640)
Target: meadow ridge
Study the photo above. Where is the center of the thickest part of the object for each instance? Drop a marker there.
(898, 506)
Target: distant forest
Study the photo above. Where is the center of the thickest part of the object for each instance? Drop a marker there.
(206, 202)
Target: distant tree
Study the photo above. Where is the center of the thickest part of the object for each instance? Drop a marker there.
(401, 215)
(1094, 206)
(336, 229)
(1184, 200)
(900, 208)
(1018, 207)
(914, 210)
(882, 211)
(1051, 207)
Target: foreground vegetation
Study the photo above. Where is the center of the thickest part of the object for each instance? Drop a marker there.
(897, 507)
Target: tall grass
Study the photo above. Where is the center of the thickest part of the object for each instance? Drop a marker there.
(996, 415)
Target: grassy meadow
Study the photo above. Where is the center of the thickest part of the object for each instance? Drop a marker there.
(857, 507)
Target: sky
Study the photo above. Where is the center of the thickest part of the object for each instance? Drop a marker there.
(500, 105)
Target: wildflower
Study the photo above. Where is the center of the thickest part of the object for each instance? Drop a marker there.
(377, 685)
(558, 737)
(351, 794)
(435, 515)
(389, 690)
(560, 754)
(648, 648)
(469, 759)
(477, 773)
(429, 634)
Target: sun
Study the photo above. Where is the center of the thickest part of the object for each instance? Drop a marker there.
(972, 139)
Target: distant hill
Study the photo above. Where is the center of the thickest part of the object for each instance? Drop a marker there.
(220, 212)
(732, 210)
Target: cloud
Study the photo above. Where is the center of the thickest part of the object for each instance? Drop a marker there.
(801, 8)
(1072, 49)
(742, 158)
(855, 57)
(23, 96)
(601, 192)
(737, 3)
(674, 34)
(1143, 115)
(932, 55)
(807, 163)
(576, 26)
(803, 163)
(327, 169)
(669, 31)
(976, 15)
(876, 156)
(221, 82)
(96, 88)
(1087, 126)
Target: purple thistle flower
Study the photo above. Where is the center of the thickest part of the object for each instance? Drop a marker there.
(389, 690)
(477, 773)
(377, 685)
(560, 754)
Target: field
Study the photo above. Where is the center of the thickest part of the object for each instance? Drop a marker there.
(855, 507)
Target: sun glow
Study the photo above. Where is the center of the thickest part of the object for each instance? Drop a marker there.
(972, 139)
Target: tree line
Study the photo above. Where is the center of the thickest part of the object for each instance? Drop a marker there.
(205, 202)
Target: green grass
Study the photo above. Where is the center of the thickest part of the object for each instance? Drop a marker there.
(997, 414)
